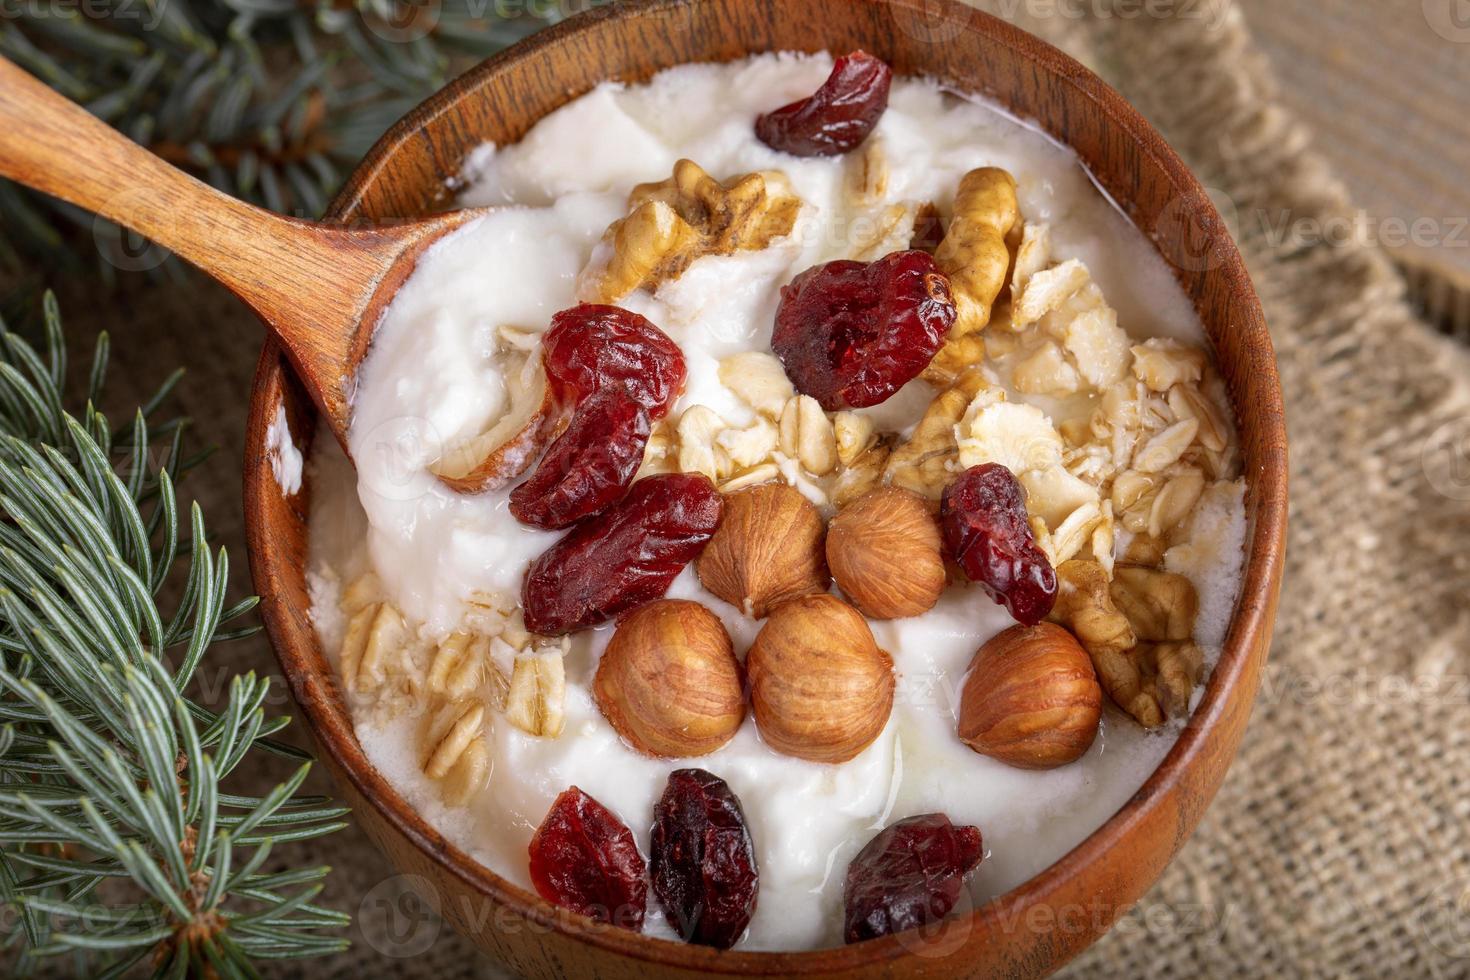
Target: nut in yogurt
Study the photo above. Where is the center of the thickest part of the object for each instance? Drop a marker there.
(820, 687)
(1031, 699)
(884, 552)
(669, 682)
(767, 550)
(673, 222)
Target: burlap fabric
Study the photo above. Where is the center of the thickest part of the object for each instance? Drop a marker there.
(1340, 843)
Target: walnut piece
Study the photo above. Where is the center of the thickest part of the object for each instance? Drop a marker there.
(924, 464)
(1152, 680)
(1170, 672)
(673, 222)
(1143, 549)
(976, 257)
(1085, 606)
(1161, 606)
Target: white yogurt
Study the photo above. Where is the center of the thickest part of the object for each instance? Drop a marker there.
(429, 382)
(286, 462)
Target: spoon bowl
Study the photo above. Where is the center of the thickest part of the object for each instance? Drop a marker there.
(1046, 921)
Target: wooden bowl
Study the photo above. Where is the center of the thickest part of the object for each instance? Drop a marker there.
(1038, 926)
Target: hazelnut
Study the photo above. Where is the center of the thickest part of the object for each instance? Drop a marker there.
(1031, 700)
(669, 682)
(768, 549)
(819, 686)
(884, 552)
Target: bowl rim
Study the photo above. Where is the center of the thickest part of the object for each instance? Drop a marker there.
(1237, 669)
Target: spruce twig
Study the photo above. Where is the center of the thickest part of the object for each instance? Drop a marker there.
(117, 843)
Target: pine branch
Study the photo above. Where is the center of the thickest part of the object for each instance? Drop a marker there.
(270, 100)
(117, 843)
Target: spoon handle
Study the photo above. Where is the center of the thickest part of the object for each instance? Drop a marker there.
(311, 284)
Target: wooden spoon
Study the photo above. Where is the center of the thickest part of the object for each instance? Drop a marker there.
(319, 289)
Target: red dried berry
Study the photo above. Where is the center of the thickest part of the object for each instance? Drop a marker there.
(850, 334)
(837, 117)
(908, 876)
(702, 860)
(983, 517)
(590, 348)
(590, 467)
(583, 858)
(625, 558)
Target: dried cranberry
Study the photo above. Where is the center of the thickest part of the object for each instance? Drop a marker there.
(590, 467)
(983, 516)
(702, 860)
(835, 118)
(590, 348)
(851, 334)
(583, 858)
(908, 876)
(625, 558)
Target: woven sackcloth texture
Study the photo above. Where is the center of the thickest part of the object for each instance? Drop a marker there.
(1340, 843)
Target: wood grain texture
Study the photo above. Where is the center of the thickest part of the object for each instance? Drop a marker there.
(318, 289)
(1037, 927)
